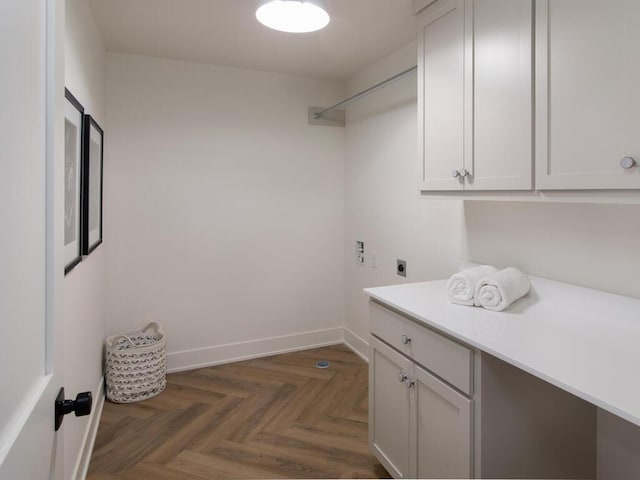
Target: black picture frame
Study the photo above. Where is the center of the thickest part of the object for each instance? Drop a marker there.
(73, 180)
(92, 174)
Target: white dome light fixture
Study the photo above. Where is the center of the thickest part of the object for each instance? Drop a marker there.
(294, 16)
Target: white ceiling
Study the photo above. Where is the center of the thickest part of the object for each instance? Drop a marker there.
(225, 32)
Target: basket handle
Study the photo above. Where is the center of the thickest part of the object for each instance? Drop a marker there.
(129, 341)
(153, 325)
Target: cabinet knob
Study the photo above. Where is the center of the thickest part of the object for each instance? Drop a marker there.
(405, 339)
(464, 172)
(410, 383)
(455, 173)
(402, 377)
(627, 162)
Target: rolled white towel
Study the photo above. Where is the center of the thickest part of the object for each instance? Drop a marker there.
(499, 290)
(461, 286)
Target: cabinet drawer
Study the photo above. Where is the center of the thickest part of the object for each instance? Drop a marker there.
(449, 360)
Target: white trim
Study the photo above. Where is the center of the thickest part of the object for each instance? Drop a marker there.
(86, 449)
(236, 352)
(356, 343)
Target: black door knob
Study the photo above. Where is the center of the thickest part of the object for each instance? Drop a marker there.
(81, 406)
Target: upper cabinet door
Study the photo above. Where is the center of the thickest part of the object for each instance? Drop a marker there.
(587, 95)
(475, 89)
(441, 96)
(499, 80)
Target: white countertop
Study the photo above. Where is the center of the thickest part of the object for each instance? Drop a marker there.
(584, 341)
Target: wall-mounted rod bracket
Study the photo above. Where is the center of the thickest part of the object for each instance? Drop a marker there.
(336, 118)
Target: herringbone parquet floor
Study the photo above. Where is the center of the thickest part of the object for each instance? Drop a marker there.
(275, 417)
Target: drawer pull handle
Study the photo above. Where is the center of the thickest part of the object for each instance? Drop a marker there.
(402, 377)
(406, 339)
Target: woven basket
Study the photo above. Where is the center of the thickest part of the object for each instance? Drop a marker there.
(136, 364)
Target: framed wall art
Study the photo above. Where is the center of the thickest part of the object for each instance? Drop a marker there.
(73, 153)
(92, 191)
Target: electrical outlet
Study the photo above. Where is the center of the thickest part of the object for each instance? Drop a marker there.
(401, 268)
(359, 252)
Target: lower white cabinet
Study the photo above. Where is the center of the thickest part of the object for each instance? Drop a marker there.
(442, 428)
(440, 409)
(420, 427)
(390, 408)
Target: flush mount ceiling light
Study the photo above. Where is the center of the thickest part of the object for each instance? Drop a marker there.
(295, 16)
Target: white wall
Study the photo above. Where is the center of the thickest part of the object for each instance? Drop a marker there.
(225, 216)
(84, 287)
(383, 207)
(591, 245)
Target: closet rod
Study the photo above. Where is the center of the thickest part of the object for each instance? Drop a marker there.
(366, 92)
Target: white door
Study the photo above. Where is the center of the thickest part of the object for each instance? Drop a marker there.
(587, 100)
(389, 408)
(499, 82)
(442, 429)
(30, 266)
(441, 96)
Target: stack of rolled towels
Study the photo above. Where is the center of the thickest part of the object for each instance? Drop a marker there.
(486, 286)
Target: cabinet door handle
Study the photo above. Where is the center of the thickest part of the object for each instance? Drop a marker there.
(405, 339)
(627, 163)
(410, 383)
(455, 173)
(402, 377)
(464, 172)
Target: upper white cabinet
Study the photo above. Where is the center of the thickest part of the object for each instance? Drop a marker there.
(587, 95)
(500, 85)
(475, 95)
(441, 95)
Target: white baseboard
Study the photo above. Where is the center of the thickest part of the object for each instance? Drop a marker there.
(235, 352)
(82, 465)
(356, 343)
